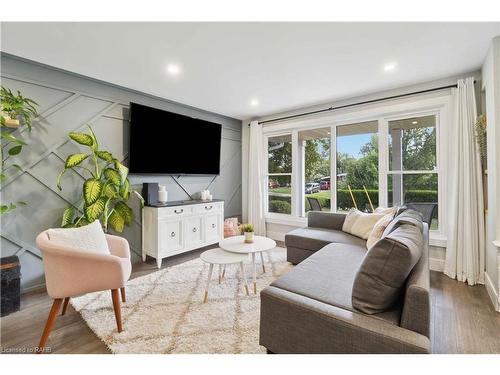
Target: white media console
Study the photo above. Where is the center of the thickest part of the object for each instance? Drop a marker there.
(178, 227)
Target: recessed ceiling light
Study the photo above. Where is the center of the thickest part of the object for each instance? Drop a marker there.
(173, 69)
(390, 67)
(254, 102)
(414, 122)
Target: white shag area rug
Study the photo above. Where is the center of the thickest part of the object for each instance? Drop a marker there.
(165, 313)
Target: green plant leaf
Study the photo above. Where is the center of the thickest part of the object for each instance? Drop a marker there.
(82, 138)
(124, 190)
(110, 191)
(116, 221)
(67, 218)
(15, 150)
(2, 177)
(94, 211)
(95, 146)
(17, 166)
(80, 221)
(125, 211)
(22, 203)
(104, 155)
(74, 159)
(122, 170)
(9, 137)
(113, 176)
(4, 209)
(59, 178)
(92, 189)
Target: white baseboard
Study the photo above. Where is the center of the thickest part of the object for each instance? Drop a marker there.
(495, 299)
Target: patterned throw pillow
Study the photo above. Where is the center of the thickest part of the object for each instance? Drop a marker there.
(231, 227)
(378, 229)
(388, 211)
(360, 224)
(89, 238)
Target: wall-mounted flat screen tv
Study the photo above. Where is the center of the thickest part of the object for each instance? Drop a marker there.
(164, 142)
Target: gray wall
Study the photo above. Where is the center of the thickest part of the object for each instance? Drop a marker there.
(68, 102)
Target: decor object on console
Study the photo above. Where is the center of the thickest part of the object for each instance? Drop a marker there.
(15, 111)
(260, 244)
(72, 271)
(150, 192)
(162, 194)
(223, 258)
(205, 195)
(248, 232)
(10, 288)
(178, 227)
(105, 192)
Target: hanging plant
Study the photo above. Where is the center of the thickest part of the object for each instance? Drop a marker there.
(15, 111)
(481, 138)
(105, 192)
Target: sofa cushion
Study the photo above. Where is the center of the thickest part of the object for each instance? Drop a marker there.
(327, 276)
(408, 216)
(314, 239)
(360, 223)
(88, 238)
(378, 230)
(383, 272)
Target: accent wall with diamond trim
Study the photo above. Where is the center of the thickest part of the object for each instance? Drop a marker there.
(67, 102)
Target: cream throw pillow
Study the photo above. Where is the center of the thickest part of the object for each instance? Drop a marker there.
(387, 211)
(378, 230)
(89, 238)
(360, 224)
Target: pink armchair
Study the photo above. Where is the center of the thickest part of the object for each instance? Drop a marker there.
(70, 272)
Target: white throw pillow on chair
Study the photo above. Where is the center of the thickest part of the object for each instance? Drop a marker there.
(89, 238)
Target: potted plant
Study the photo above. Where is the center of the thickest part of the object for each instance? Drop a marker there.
(248, 231)
(106, 190)
(15, 111)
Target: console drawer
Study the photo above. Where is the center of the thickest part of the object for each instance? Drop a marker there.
(170, 212)
(207, 208)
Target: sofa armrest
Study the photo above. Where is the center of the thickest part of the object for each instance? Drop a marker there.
(291, 323)
(327, 220)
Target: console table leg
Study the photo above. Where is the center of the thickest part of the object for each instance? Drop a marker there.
(208, 282)
(158, 263)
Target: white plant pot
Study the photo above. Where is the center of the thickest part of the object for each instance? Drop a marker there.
(248, 237)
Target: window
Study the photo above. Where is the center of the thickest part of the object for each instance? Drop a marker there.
(412, 176)
(314, 169)
(279, 176)
(346, 160)
(357, 166)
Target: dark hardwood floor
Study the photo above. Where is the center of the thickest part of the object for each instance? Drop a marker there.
(464, 320)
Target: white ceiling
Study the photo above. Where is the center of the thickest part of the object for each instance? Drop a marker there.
(282, 65)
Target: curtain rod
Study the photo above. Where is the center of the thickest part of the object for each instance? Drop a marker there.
(356, 104)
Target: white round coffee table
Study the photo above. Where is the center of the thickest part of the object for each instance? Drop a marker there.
(222, 258)
(238, 245)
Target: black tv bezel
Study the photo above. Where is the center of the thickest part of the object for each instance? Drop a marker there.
(130, 148)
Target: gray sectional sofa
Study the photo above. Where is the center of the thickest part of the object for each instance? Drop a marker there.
(310, 309)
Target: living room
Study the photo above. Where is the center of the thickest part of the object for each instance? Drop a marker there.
(257, 188)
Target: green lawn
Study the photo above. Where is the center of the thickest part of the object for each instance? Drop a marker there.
(281, 190)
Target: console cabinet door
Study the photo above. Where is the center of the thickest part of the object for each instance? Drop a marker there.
(194, 232)
(212, 228)
(171, 236)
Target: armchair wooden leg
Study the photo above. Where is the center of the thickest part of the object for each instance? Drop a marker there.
(116, 307)
(56, 305)
(65, 305)
(122, 291)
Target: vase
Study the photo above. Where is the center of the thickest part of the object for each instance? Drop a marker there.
(248, 237)
(162, 194)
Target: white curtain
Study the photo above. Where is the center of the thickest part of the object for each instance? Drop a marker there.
(466, 243)
(256, 179)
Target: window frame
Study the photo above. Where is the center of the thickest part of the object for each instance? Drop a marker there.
(438, 104)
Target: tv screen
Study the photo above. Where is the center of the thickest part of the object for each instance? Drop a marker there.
(163, 142)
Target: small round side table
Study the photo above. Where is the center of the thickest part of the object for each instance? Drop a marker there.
(222, 258)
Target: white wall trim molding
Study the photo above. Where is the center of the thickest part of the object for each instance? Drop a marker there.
(490, 288)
